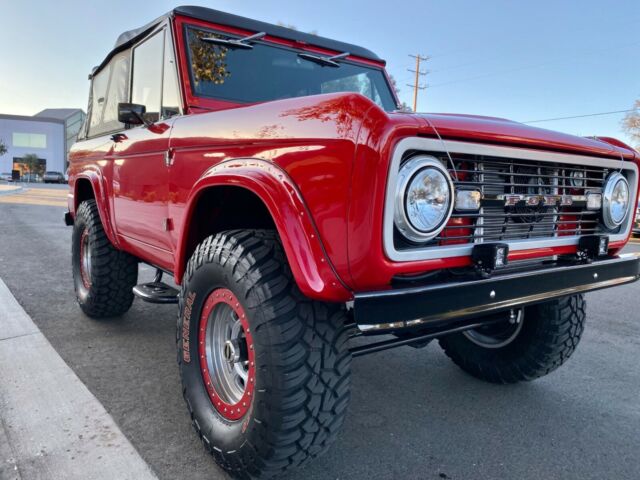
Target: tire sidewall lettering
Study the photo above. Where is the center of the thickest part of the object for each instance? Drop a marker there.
(223, 434)
(186, 322)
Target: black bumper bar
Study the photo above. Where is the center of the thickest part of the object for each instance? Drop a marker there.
(425, 306)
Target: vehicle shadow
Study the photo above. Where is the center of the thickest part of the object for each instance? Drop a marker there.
(414, 414)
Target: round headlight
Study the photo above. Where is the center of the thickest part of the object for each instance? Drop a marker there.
(615, 200)
(424, 198)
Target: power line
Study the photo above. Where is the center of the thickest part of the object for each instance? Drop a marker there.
(416, 86)
(563, 60)
(580, 116)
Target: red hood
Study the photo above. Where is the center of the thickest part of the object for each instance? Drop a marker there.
(502, 131)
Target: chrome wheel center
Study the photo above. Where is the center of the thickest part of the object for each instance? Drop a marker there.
(85, 259)
(226, 358)
(231, 351)
(500, 334)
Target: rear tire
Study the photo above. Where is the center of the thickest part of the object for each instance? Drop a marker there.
(294, 351)
(103, 276)
(547, 337)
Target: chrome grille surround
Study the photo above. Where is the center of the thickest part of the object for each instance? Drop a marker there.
(489, 175)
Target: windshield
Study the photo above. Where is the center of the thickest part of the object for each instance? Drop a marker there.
(268, 72)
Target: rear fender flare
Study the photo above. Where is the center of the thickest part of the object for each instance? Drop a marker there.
(97, 184)
(308, 260)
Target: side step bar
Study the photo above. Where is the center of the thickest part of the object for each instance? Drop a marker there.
(156, 291)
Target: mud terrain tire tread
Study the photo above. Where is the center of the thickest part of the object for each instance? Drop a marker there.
(550, 335)
(303, 365)
(114, 272)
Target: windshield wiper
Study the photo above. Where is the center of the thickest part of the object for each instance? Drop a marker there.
(324, 61)
(235, 42)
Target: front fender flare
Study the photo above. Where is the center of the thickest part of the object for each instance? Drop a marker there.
(308, 260)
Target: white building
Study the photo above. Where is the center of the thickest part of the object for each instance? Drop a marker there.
(49, 135)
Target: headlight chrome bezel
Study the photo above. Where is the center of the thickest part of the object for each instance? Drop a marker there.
(407, 172)
(607, 197)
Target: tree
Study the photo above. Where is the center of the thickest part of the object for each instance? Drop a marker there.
(32, 162)
(3, 147)
(631, 124)
(403, 106)
(208, 61)
(394, 84)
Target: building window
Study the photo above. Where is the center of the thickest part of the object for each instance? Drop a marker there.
(30, 140)
(30, 170)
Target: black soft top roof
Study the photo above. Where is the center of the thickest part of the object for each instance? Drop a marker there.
(215, 16)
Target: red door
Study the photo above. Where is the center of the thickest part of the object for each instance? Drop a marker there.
(140, 172)
(141, 186)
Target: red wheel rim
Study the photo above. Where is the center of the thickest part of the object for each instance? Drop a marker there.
(231, 407)
(85, 259)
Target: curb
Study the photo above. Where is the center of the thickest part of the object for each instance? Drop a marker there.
(51, 425)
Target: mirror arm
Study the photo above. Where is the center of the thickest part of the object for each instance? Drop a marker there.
(145, 121)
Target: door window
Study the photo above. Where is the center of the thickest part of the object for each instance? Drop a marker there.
(146, 87)
(170, 88)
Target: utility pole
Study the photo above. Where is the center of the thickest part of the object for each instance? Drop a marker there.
(416, 86)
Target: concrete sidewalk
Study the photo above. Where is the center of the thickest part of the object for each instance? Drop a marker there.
(51, 425)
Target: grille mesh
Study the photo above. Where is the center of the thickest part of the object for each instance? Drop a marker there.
(497, 176)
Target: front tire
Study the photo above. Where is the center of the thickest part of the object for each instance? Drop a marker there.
(270, 389)
(546, 337)
(103, 276)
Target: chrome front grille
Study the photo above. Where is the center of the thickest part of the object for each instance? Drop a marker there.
(503, 173)
(498, 178)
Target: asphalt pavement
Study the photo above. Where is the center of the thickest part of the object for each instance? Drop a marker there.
(413, 413)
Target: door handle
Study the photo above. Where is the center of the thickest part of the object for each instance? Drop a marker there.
(168, 158)
(118, 137)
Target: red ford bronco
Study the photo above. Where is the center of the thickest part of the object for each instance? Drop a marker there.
(271, 173)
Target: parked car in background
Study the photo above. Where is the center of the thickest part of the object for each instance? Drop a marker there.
(6, 177)
(272, 173)
(53, 177)
(636, 223)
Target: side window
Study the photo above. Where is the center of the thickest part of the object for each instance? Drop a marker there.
(170, 88)
(360, 83)
(98, 94)
(109, 87)
(146, 86)
(117, 92)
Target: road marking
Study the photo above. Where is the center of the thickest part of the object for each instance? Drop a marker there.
(51, 425)
(37, 196)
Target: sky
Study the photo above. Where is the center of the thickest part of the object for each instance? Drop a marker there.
(522, 60)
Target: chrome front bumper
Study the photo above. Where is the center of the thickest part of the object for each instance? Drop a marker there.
(430, 305)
